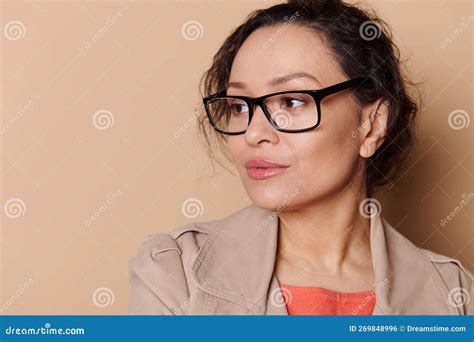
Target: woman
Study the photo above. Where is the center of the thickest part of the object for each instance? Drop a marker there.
(309, 101)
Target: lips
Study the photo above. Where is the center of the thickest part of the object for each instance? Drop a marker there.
(260, 169)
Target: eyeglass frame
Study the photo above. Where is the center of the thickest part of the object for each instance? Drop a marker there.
(318, 95)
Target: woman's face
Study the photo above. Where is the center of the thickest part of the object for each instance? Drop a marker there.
(317, 162)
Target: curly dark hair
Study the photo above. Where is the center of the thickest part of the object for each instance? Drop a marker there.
(349, 32)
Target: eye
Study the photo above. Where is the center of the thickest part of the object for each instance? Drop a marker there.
(292, 102)
(238, 107)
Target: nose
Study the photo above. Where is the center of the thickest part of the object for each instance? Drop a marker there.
(260, 130)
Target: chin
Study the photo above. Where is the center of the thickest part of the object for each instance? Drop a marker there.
(265, 204)
(273, 198)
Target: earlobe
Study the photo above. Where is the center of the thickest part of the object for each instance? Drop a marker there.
(377, 131)
(365, 151)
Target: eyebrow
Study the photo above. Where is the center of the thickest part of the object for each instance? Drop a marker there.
(278, 80)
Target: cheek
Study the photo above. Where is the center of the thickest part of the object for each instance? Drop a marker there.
(328, 159)
(325, 165)
(237, 149)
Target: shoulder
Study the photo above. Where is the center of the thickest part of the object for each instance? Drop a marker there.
(191, 237)
(176, 241)
(185, 241)
(445, 275)
(160, 270)
(181, 235)
(448, 266)
(450, 269)
(455, 277)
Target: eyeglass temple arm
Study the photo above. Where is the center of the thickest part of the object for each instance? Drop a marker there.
(341, 86)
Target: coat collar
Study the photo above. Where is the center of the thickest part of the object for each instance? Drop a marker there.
(236, 263)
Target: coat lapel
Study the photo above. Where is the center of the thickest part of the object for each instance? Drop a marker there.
(237, 261)
(406, 282)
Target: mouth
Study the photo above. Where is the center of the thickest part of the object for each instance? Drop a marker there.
(259, 169)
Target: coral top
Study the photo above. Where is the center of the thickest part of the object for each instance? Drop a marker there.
(319, 301)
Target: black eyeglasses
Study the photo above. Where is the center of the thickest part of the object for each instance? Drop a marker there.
(287, 111)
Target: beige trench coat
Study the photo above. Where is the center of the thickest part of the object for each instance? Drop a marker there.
(226, 267)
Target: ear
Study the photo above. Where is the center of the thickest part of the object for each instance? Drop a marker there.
(374, 117)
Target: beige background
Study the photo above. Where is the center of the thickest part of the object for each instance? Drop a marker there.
(133, 167)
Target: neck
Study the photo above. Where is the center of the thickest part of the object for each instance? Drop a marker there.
(329, 234)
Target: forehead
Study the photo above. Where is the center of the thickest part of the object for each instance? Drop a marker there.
(276, 50)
